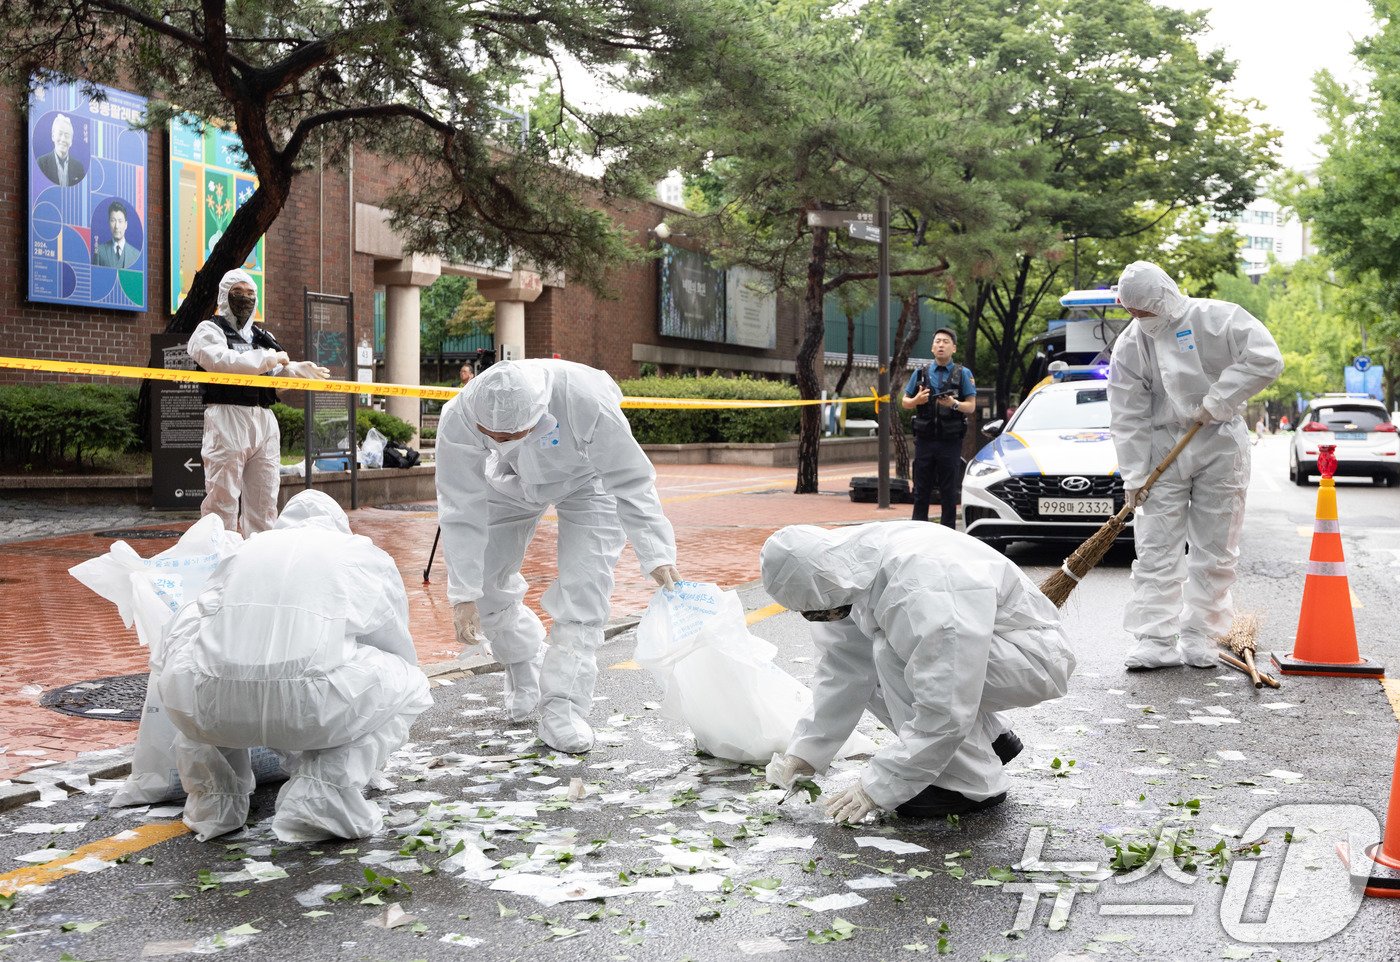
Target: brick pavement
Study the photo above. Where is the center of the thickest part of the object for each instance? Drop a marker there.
(56, 632)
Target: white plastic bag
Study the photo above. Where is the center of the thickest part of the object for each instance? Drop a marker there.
(371, 449)
(147, 593)
(718, 678)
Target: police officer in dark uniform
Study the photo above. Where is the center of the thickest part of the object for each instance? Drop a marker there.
(941, 395)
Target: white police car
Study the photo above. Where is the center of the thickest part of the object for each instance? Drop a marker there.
(1050, 473)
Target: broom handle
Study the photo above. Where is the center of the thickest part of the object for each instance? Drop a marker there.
(1171, 456)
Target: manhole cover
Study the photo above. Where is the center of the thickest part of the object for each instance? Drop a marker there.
(409, 506)
(138, 534)
(120, 698)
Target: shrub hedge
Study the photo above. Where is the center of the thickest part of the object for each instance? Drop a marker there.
(43, 425)
(292, 423)
(744, 426)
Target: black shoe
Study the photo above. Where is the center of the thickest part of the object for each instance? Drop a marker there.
(1007, 746)
(935, 802)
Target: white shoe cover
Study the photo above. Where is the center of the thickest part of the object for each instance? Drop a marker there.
(522, 690)
(563, 727)
(1154, 653)
(1198, 653)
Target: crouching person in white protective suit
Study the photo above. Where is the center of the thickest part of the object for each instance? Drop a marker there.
(1184, 360)
(242, 447)
(935, 634)
(522, 436)
(299, 642)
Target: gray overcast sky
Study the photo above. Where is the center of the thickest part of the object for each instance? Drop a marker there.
(1279, 45)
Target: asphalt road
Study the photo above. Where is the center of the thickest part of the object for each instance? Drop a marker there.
(1200, 753)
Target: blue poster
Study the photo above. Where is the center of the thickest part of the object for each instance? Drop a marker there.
(88, 232)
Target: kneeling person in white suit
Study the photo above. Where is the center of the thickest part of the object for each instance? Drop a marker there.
(932, 631)
(298, 642)
(520, 437)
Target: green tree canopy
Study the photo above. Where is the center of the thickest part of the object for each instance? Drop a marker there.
(416, 82)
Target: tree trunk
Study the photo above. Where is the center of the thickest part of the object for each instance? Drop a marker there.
(250, 222)
(808, 356)
(905, 337)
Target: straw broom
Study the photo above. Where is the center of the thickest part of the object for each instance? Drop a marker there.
(1239, 649)
(1087, 556)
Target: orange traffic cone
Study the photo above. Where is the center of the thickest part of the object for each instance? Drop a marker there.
(1326, 639)
(1378, 867)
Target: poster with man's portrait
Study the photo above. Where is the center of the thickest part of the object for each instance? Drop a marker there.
(87, 198)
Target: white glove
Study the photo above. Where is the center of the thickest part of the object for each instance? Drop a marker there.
(467, 620)
(785, 770)
(667, 576)
(1204, 416)
(1134, 497)
(308, 369)
(272, 360)
(850, 805)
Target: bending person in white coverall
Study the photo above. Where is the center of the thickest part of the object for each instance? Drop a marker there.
(932, 631)
(299, 642)
(1184, 360)
(242, 449)
(521, 436)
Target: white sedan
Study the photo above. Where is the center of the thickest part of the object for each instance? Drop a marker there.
(1360, 427)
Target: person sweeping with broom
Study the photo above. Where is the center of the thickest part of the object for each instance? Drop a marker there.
(1183, 361)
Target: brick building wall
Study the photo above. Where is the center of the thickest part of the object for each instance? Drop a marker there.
(311, 245)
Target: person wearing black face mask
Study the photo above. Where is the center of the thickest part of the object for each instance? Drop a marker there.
(242, 448)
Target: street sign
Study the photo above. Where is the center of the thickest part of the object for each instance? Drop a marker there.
(865, 232)
(837, 218)
(1362, 362)
(177, 430)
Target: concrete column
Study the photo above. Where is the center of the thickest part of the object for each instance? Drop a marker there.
(401, 362)
(403, 281)
(510, 329)
(510, 295)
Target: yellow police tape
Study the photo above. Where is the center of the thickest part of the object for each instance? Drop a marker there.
(386, 390)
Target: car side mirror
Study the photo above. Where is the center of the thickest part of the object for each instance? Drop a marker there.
(992, 428)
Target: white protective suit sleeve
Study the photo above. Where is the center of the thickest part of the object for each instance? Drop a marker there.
(209, 348)
(945, 635)
(391, 635)
(462, 494)
(842, 685)
(1255, 364)
(627, 475)
(1130, 386)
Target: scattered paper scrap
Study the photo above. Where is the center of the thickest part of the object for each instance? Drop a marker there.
(892, 845)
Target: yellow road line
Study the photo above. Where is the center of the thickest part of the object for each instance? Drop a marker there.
(1355, 601)
(106, 849)
(752, 618)
(761, 614)
(1391, 687)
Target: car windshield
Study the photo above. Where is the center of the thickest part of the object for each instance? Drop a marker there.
(1086, 407)
(1350, 417)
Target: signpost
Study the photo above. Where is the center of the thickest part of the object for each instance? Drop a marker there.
(177, 430)
(874, 228)
(330, 418)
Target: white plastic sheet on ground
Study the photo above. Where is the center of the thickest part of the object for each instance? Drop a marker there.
(718, 678)
(147, 593)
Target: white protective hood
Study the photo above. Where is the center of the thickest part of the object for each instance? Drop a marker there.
(313, 509)
(806, 568)
(226, 284)
(1146, 287)
(509, 397)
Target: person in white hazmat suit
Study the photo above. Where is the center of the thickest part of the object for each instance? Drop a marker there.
(299, 642)
(521, 436)
(242, 448)
(935, 634)
(1184, 360)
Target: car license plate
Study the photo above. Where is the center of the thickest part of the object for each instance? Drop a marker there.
(1351, 435)
(1100, 507)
